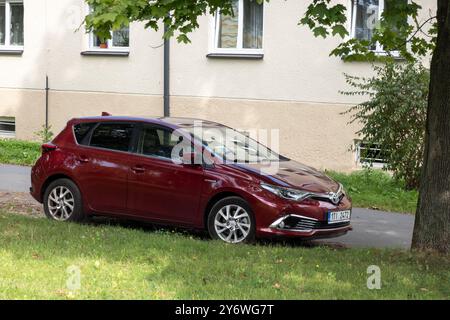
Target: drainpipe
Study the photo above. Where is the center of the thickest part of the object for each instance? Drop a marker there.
(46, 101)
(166, 75)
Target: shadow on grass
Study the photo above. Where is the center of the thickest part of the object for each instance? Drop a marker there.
(203, 234)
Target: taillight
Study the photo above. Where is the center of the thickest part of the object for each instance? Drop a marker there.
(48, 147)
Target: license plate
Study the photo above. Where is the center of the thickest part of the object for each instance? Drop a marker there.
(339, 216)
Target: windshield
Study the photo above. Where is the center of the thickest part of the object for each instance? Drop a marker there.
(231, 145)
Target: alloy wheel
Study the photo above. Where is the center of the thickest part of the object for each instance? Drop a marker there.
(61, 203)
(232, 224)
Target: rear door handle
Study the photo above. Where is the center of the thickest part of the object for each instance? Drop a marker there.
(138, 169)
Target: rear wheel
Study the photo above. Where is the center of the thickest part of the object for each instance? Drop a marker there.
(62, 201)
(231, 220)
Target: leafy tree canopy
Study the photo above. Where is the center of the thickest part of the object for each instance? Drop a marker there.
(323, 17)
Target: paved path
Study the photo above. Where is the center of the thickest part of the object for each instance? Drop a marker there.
(14, 178)
(377, 229)
(371, 228)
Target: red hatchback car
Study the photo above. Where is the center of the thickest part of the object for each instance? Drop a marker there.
(134, 168)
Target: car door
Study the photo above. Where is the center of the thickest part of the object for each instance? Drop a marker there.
(158, 188)
(102, 168)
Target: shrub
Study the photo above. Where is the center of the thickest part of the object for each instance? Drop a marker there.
(394, 115)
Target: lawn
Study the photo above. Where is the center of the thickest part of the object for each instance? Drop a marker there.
(19, 152)
(377, 190)
(118, 262)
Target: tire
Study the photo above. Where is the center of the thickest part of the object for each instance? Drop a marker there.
(232, 230)
(60, 210)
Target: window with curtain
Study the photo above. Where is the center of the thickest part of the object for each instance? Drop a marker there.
(120, 39)
(241, 31)
(365, 17)
(11, 23)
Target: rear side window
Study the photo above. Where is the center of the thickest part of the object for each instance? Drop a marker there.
(114, 136)
(82, 130)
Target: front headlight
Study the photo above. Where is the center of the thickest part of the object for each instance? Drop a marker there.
(286, 193)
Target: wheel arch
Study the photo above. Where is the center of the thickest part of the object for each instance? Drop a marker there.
(55, 177)
(217, 197)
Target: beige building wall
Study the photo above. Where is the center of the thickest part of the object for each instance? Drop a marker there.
(294, 88)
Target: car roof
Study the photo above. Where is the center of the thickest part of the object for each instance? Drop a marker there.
(180, 122)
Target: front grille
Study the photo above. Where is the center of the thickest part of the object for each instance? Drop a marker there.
(297, 223)
(326, 199)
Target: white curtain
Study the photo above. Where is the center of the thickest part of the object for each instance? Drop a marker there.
(253, 24)
(229, 26)
(2, 24)
(367, 12)
(16, 24)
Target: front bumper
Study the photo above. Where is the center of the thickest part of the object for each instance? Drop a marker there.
(293, 225)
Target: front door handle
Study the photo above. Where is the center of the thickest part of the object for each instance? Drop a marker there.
(138, 169)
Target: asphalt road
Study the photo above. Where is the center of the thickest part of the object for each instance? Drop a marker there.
(375, 229)
(14, 178)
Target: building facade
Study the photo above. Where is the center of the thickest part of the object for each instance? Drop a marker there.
(256, 70)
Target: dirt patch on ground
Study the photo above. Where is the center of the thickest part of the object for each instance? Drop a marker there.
(20, 202)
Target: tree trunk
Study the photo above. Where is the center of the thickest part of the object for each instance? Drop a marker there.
(432, 226)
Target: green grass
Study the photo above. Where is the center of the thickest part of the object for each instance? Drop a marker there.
(125, 263)
(377, 190)
(19, 152)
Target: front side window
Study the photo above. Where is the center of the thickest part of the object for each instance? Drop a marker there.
(11, 23)
(157, 142)
(365, 17)
(242, 31)
(113, 136)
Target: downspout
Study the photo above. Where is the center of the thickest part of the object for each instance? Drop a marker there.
(46, 101)
(166, 75)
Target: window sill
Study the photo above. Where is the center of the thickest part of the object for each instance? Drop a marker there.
(250, 56)
(11, 52)
(106, 52)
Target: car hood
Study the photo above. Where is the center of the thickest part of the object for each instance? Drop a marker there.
(292, 174)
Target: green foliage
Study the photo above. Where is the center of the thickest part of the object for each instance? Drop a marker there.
(324, 19)
(45, 134)
(393, 31)
(128, 263)
(19, 152)
(394, 115)
(376, 189)
(179, 16)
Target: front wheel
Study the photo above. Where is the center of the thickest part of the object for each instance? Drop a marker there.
(231, 220)
(62, 201)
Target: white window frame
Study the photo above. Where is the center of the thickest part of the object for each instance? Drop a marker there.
(376, 163)
(91, 41)
(5, 133)
(7, 45)
(214, 41)
(379, 50)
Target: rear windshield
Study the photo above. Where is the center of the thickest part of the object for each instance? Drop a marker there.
(82, 130)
